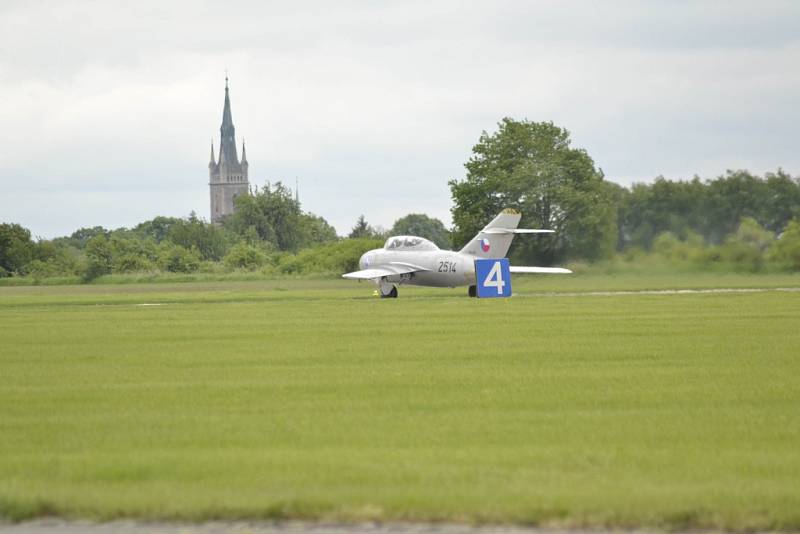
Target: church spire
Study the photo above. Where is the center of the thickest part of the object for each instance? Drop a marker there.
(227, 176)
(227, 147)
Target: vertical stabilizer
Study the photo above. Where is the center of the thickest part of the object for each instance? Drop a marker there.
(488, 244)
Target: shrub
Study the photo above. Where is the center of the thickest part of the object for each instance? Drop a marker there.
(132, 263)
(244, 256)
(785, 252)
(59, 265)
(745, 249)
(669, 247)
(177, 259)
(339, 257)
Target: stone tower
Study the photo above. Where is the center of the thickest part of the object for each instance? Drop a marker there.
(228, 176)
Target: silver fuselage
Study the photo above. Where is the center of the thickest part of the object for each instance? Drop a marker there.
(444, 268)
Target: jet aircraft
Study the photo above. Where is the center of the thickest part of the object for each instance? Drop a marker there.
(417, 261)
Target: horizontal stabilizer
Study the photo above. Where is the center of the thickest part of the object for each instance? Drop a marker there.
(516, 231)
(540, 270)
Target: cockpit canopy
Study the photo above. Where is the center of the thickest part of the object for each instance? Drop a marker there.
(408, 242)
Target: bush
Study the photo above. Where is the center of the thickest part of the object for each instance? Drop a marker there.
(61, 265)
(212, 267)
(244, 256)
(131, 254)
(177, 259)
(667, 246)
(690, 250)
(785, 252)
(745, 250)
(133, 263)
(339, 257)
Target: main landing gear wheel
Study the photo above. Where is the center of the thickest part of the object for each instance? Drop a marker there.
(391, 294)
(472, 291)
(388, 291)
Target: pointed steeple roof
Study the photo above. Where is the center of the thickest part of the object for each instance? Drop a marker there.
(244, 152)
(227, 119)
(227, 147)
(213, 160)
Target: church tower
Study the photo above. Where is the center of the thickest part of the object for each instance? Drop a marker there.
(228, 176)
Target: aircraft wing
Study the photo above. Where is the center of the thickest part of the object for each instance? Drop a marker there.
(384, 269)
(540, 270)
(515, 231)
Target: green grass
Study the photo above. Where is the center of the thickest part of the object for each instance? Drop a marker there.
(311, 399)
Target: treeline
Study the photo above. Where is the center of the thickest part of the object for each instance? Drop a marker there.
(266, 230)
(269, 232)
(738, 221)
(712, 209)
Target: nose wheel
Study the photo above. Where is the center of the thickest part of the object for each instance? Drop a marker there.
(472, 291)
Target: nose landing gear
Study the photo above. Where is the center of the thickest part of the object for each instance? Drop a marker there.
(472, 291)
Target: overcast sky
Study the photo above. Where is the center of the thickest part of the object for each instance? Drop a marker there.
(109, 108)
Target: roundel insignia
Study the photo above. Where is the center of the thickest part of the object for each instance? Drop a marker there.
(485, 246)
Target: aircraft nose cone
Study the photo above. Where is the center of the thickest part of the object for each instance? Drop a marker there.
(365, 261)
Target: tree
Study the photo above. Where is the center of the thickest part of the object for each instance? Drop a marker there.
(782, 204)
(206, 238)
(731, 198)
(16, 249)
(663, 206)
(81, 237)
(423, 226)
(99, 256)
(619, 197)
(274, 215)
(531, 167)
(54, 258)
(362, 229)
(157, 228)
(130, 253)
(712, 208)
(315, 230)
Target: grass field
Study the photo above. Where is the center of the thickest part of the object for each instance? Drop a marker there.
(311, 399)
